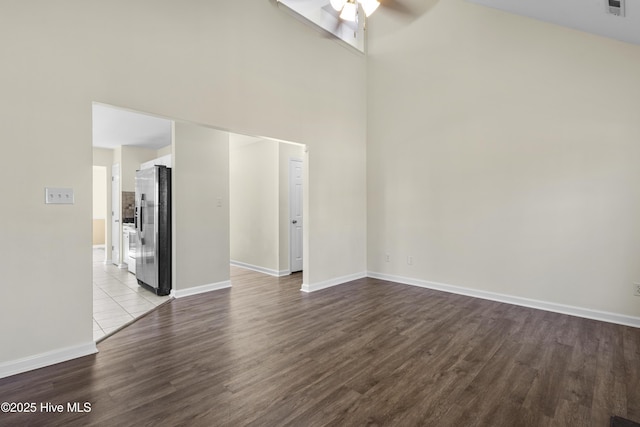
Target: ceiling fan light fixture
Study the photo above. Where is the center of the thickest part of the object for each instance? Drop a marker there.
(338, 4)
(369, 6)
(349, 12)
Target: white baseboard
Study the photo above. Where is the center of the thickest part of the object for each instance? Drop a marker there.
(332, 282)
(259, 269)
(98, 246)
(37, 361)
(587, 313)
(181, 293)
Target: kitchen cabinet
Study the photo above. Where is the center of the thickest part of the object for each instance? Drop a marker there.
(129, 246)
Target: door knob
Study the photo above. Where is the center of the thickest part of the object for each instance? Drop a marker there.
(295, 221)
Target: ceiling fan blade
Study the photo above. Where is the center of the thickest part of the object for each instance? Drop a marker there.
(332, 31)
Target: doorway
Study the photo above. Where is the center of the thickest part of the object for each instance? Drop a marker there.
(115, 215)
(116, 284)
(296, 223)
(122, 141)
(100, 210)
(266, 199)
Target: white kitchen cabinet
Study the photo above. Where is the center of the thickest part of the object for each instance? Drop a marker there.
(129, 246)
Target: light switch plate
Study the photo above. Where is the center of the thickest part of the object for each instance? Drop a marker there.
(58, 196)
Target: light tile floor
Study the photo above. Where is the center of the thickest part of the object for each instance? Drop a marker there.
(117, 297)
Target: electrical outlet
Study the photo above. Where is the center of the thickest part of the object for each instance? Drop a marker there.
(636, 289)
(410, 260)
(387, 258)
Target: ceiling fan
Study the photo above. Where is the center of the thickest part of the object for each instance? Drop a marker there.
(349, 8)
(346, 19)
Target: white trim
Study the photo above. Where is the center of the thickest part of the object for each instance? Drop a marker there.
(41, 360)
(587, 313)
(348, 34)
(98, 246)
(259, 269)
(108, 261)
(122, 266)
(181, 293)
(332, 282)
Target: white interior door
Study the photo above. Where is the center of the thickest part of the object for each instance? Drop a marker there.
(115, 214)
(295, 214)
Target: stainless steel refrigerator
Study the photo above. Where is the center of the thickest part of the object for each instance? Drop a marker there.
(153, 229)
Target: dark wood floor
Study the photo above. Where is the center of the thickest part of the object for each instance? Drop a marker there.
(364, 353)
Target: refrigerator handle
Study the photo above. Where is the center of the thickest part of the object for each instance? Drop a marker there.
(135, 219)
(142, 202)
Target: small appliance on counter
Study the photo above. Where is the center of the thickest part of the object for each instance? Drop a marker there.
(153, 229)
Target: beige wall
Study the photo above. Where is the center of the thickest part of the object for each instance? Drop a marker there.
(244, 66)
(103, 157)
(132, 158)
(98, 231)
(503, 156)
(200, 206)
(164, 151)
(253, 172)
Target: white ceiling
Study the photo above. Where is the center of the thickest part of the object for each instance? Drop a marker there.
(586, 15)
(113, 127)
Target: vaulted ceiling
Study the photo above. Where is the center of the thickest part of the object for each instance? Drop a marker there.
(113, 126)
(590, 16)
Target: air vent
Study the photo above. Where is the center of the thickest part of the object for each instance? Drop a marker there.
(615, 7)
